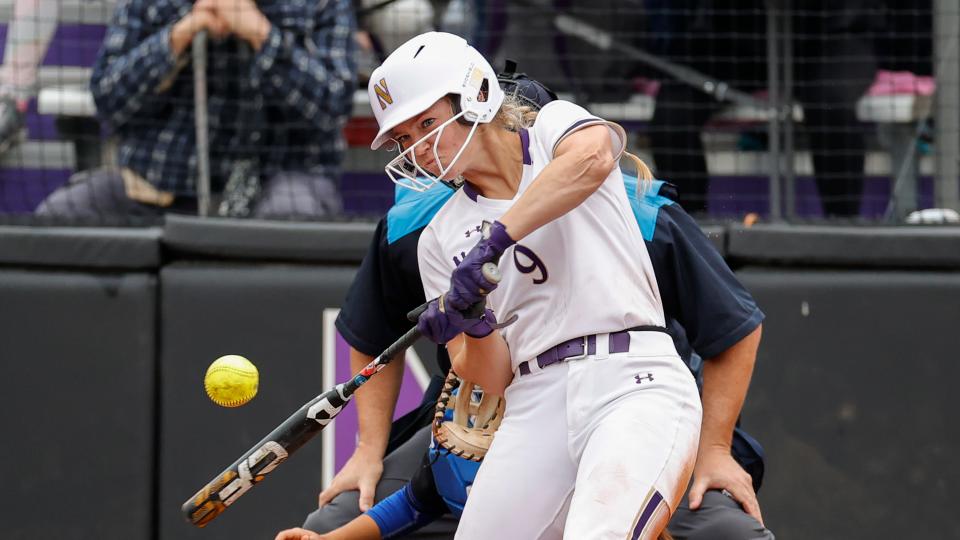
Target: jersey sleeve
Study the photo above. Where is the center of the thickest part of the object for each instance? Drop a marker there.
(385, 288)
(434, 274)
(697, 287)
(558, 119)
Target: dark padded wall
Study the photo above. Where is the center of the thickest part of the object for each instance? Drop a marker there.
(854, 398)
(853, 394)
(77, 352)
(272, 314)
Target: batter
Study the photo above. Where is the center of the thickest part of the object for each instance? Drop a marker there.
(602, 421)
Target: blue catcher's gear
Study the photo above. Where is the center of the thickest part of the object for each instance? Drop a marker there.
(453, 476)
(463, 428)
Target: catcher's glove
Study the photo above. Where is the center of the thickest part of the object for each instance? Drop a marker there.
(475, 418)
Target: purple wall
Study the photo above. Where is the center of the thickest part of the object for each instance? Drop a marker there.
(346, 423)
(371, 194)
(21, 190)
(730, 196)
(72, 45)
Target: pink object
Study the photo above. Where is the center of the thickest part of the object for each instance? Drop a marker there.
(648, 87)
(891, 83)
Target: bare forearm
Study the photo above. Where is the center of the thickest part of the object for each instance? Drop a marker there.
(564, 183)
(485, 361)
(362, 527)
(376, 401)
(725, 381)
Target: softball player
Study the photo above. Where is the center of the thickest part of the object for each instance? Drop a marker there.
(716, 319)
(600, 433)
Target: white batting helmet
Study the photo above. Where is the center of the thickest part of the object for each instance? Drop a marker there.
(414, 77)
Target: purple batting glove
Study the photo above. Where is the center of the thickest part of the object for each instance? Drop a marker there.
(483, 326)
(467, 284)
(440, 323)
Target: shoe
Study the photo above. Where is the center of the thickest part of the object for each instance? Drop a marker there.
(12, 129)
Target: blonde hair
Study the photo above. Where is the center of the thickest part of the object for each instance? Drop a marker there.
(644, 174)
(516, 113)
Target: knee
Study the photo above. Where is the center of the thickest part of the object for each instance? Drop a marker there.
(56, 204)
(731, 525)
(299, 196)
(719, 518)
(87, 194)
(337, 513)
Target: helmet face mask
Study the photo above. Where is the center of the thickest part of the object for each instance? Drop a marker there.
(404, 170)
(413, 78)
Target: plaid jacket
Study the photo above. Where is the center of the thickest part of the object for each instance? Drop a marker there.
(284, 105)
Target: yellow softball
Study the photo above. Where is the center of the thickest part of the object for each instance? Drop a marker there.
(231, 380)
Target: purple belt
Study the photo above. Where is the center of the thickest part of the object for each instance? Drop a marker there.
(577, 348)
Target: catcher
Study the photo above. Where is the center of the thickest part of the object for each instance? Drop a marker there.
(464, 424)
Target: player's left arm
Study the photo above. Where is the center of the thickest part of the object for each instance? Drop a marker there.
(581, 162)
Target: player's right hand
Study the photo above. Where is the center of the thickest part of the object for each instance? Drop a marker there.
(361, 472)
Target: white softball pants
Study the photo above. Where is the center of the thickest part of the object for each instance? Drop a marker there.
(590, 448)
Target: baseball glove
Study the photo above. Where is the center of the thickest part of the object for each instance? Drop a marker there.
(465, 418)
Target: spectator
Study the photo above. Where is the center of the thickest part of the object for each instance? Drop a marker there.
(281, 80)
(834, 64)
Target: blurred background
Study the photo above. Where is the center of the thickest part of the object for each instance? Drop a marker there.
(164, 202)
(807, 112)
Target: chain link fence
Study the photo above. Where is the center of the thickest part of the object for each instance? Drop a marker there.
(769, 109)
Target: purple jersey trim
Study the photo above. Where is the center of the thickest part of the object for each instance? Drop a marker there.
(525, 146)
(575, 126)
(470, 191)
(527, 160)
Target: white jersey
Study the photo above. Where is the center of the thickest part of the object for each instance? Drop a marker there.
(587, 272)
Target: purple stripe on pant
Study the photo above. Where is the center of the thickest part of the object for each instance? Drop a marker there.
(652, 505)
